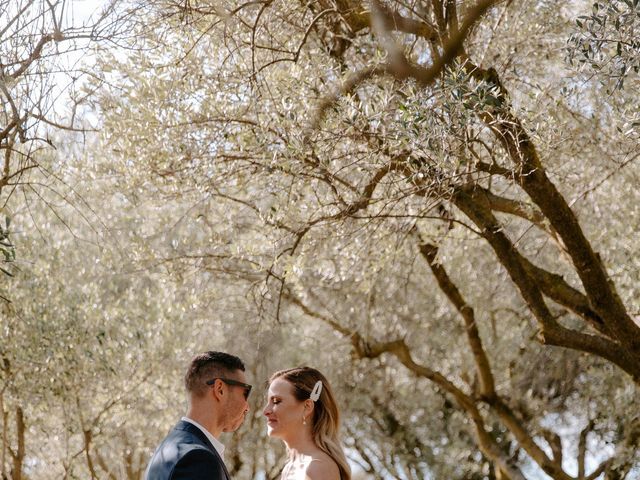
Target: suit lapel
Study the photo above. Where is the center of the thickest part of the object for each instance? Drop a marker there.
(191, 428)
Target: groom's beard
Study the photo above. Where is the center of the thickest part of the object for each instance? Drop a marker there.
(236, 423)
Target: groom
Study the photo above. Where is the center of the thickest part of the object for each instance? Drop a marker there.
(218, 394)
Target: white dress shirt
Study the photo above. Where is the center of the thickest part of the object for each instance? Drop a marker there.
(214, 441)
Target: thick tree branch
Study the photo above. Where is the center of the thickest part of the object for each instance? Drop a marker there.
(557, 289)
(495, 169)
(363, 348)
(551, 466)
(531, 175)
(473, 204)
(552, 285)
(19, 454)
(487, 384)
(517, 209)
(393, 21)
(399, 67)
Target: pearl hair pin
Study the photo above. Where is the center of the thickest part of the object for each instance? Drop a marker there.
(317, 390)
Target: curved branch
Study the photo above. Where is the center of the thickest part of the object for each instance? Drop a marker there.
(35, 55)
(551, 466)
(517, 209)
(393, 21)
(400, 350)
(363, 348)
(400, 68)
(426, 76)
(532, 177)
(474, 204)
(557, 289)
(487, 384)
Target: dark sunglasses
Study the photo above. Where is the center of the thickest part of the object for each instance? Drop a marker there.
(228, 381)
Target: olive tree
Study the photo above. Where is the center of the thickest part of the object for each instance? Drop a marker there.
(338, 148)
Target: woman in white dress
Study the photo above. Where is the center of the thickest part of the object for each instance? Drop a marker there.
(302, 412)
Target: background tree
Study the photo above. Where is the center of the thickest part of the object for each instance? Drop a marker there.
(604, 47)
(41, 44)
(332, 145)
(605, 42)
(355, 186)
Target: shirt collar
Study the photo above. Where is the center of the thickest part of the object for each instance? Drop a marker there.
(214, 441)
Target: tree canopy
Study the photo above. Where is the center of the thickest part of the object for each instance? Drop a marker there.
(432, 202)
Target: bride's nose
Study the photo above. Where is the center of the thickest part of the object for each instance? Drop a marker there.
(266, 410)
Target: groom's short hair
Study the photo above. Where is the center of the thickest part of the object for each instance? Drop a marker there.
(209, 365)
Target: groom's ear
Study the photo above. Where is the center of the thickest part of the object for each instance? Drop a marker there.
(218, 390)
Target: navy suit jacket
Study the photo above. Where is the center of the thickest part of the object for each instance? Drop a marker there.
(186, 454)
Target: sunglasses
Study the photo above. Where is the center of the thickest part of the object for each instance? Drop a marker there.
(228, 381)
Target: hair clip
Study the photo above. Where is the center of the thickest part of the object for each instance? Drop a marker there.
(317, 390)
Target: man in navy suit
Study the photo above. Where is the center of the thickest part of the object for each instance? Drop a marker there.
(218, 395)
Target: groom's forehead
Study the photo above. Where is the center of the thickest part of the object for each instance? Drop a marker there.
(237, 375)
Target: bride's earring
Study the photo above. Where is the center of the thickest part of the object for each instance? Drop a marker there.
(304, 420)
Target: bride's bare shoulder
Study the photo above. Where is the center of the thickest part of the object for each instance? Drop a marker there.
(322, 467)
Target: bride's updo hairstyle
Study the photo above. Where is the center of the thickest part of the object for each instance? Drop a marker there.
(326, 417)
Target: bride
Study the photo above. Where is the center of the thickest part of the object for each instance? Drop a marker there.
(302, 412)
